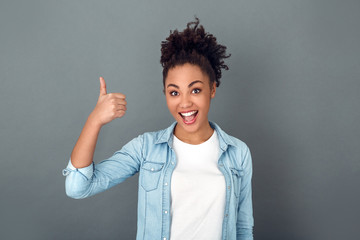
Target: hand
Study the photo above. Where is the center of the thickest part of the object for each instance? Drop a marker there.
(109, 106)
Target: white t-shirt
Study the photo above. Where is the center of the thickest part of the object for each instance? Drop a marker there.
(198, 191)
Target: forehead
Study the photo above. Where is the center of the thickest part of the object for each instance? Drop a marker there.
(184, 74)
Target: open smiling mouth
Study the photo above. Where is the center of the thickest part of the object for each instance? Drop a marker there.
(189, 117)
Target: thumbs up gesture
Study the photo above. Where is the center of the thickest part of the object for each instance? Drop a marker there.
(109, 106)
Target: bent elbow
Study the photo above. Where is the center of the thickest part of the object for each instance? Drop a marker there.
(74, 194)
(76, 188)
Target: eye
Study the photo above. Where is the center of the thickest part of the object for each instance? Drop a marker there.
(174, 93)
(196, 90)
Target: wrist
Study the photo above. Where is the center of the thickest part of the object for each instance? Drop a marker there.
(93, 122)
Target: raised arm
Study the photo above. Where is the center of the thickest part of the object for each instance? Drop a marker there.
(108, 107)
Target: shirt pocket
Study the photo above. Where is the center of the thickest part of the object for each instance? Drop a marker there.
(236, 175)
(151, 172)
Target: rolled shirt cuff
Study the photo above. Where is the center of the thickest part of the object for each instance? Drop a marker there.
(86, 171)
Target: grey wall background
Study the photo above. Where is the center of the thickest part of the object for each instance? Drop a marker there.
(292, 94)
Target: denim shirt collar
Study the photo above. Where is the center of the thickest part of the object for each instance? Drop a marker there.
(167, 135)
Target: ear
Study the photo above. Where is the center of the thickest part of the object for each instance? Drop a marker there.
(213, 90)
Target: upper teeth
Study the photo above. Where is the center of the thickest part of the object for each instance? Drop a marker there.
(188, 113)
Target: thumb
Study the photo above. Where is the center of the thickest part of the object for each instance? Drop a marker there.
(102, 86)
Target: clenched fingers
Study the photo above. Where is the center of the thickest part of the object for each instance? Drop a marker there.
(120, 102)
(117, 95)
(121, 108)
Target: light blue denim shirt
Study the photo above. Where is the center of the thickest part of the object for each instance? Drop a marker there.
(151, 155)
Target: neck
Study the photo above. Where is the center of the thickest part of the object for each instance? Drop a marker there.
(194, 138)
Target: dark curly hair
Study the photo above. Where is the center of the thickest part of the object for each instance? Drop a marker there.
(195, 46)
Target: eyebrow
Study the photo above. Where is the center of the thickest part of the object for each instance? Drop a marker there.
(192, 83)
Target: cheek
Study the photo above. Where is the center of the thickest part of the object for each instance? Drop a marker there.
(170, 104)
(204, 102)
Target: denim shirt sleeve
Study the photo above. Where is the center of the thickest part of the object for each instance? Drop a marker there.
(93, 179)
(245, 221)
(86, 171)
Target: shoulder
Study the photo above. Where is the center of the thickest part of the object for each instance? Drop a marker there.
(239, 144)
(239, 148)
(229, 140)
(157, 137)
(241, 154)
(238, 151)
(144, 144)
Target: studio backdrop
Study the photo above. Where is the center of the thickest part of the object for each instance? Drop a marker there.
(292, 94)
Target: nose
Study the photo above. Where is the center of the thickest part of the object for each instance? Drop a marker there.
(185, 101)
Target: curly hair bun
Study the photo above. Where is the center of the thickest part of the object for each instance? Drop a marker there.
(194, 45)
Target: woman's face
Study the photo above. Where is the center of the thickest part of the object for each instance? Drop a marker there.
(188, 96)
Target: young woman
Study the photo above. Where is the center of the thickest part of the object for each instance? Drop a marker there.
(194, 179)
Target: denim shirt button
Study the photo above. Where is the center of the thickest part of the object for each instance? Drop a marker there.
(166, 212)
(65, 172)
(164, 238)
(166, 184)
(229, 187)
